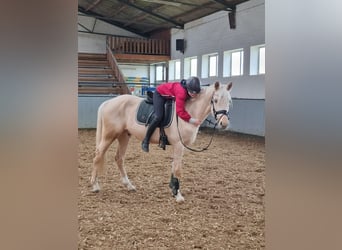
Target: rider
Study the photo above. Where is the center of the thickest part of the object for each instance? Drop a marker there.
(180, 91)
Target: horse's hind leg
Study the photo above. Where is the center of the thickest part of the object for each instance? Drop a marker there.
(98, 162)
(119, 158)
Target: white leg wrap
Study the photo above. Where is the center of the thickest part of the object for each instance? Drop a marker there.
(96, 187)
(128, 184)
(179, 197)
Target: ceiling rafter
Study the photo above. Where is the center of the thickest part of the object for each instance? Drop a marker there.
(204, 6)
(178, 25)
(149, 17)
(228, 6)
(136, 19)
(84, 27)
(93, 5)
(140, 17)
(193, 5)
(110, 21)
(198, 8)
(122, 7)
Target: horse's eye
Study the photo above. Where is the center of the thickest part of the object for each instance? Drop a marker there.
(215, 101)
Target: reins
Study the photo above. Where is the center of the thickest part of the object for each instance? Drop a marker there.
(211, 139)
(219, 112)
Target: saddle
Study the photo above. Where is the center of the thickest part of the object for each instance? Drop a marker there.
(145, 113)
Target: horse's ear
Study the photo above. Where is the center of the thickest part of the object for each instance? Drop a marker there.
(229, 86)
(217, 85)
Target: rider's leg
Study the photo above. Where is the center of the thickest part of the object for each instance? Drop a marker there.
(158, 104)
(151, 127)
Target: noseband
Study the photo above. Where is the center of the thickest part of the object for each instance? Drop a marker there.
(223, 111)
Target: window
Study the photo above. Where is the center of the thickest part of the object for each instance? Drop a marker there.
(261, 68)
(160, 73)
(178, 69)
(190, 67)
(213, 65)
(233, 63)
(174, 70)
(257, 60)
(193, 66)
(209, 65)
(237, 59)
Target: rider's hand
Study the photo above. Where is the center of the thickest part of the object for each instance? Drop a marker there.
(195, 121)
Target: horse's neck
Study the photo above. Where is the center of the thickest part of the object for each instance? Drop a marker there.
(200, 107)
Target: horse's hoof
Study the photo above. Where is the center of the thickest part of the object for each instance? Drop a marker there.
(131, 188)
(96, 188)
(179, 197)
(128, 185)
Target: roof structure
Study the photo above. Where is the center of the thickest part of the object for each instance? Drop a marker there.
(147, 17)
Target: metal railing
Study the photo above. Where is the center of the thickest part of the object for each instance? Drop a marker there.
(114, 66)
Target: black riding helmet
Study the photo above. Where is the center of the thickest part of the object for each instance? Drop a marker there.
(193, 85)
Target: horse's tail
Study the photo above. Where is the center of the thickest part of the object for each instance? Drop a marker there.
(99, 165)
(99, 125)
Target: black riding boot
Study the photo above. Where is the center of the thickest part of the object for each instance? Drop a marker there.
(152, 126)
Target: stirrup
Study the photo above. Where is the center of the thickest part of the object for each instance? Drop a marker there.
(162, 145)
(163, 142)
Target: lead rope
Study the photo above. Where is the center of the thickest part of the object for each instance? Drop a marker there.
(197, 150)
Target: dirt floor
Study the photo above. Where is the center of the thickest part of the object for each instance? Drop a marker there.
(223, 187)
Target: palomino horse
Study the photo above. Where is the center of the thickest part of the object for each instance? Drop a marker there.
(116, 120)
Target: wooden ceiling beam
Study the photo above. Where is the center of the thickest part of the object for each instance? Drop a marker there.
(108, 20)
(227, 5)
(177, 24)
(122, 7)
(140, 17)
(93, 5)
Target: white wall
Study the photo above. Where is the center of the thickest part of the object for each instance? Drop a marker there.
(98, 26)
(90, 43)
(96, 43)
(212, 34)
(134, 70)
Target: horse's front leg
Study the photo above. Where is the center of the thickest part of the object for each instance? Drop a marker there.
(178, 150)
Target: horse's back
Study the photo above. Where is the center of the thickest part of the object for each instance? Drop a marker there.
(117, 112)
(121, 103)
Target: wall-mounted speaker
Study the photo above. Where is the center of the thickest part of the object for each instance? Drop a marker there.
(180, 45)
(231, 17)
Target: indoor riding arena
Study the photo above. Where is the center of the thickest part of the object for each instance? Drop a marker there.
(130, 48)
(223, 187)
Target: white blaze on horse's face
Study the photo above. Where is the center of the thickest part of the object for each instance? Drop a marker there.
(221, 103)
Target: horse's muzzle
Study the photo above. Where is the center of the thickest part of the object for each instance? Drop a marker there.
(223, 121)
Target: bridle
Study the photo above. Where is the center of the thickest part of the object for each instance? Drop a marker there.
(223, 112)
